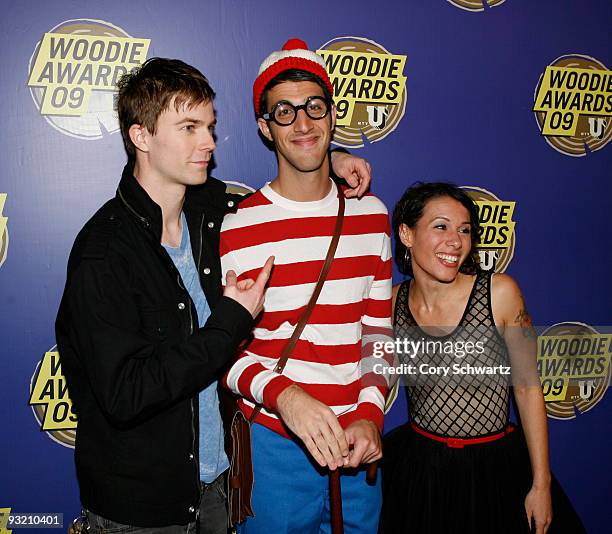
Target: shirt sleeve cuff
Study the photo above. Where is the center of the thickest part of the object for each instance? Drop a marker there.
(369, 411)
(274, 388)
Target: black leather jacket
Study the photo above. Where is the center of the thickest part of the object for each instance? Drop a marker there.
(134, 357)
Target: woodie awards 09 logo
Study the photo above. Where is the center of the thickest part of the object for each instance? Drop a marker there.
(475, 5)
(369, 89)
(574, 366)
(497, 237)
(73, 74)
(50, 400)
(573, 105)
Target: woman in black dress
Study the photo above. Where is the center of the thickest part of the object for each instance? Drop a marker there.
(459, 466)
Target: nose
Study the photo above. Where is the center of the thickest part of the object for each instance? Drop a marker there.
(303, 123)
(453, 240)
(207, 141)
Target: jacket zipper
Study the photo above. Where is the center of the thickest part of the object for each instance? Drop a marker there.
(200, 251)
(192, 403)
(193, 425)
(195, 453)
(127, 205)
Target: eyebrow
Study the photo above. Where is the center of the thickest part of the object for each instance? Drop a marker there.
(195, 121)
(285, 101)
(446, 219)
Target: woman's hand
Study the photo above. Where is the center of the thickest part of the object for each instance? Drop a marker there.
(538, 506)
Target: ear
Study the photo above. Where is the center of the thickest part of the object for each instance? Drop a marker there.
(333, 117)
(264, 128)
(139, 136)
(406, 235)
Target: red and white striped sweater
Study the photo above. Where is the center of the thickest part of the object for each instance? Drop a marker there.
(355, 301)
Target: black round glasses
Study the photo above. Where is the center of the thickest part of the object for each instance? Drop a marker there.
(284, 113)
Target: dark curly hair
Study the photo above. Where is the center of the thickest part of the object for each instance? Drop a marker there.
(409, 210)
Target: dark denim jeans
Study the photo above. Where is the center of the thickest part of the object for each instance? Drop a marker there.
(212, 517)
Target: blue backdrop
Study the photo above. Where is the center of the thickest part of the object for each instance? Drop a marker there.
(471, 80)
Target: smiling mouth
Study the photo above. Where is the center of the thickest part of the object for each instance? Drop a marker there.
(448, 259)
(305, 141)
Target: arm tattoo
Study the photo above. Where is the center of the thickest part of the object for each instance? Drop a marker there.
(524, 320)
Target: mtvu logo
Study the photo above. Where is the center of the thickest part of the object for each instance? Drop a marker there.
(597, 126)
(377, 116)
(586, 389)
(488, 259)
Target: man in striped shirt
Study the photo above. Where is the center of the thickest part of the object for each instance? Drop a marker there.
(321, 412)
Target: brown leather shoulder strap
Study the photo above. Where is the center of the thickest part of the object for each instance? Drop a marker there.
(299, 328)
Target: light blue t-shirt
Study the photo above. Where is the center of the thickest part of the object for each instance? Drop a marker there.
(213, 460)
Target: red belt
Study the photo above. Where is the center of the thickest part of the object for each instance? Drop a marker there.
(459, 443)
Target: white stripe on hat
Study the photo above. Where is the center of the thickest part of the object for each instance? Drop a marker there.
(285, 54)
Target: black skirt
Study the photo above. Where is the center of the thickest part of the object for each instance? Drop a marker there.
(430, 488)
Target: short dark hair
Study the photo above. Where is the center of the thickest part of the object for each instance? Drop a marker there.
(146, 92)
(291, 75)
(409, 211)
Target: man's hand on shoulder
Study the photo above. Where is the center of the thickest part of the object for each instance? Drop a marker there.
(357, 172)
(247, 292)
(316, 425)
(365, 439)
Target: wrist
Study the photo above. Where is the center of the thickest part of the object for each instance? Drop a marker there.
(286, 396)
(367, 422)
(334, 156)
(275, 388)
(542, 482)
(364, 425)
(370, 412)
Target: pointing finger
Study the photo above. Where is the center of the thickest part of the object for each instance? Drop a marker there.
(264, 275)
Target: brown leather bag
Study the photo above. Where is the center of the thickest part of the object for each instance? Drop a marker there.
(240, 478)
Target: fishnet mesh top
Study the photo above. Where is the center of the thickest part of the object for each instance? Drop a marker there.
(458, 405)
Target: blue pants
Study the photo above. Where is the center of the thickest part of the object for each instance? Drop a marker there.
(291, 492)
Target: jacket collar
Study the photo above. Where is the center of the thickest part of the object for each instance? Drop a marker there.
(209, 197)
(137, 201)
